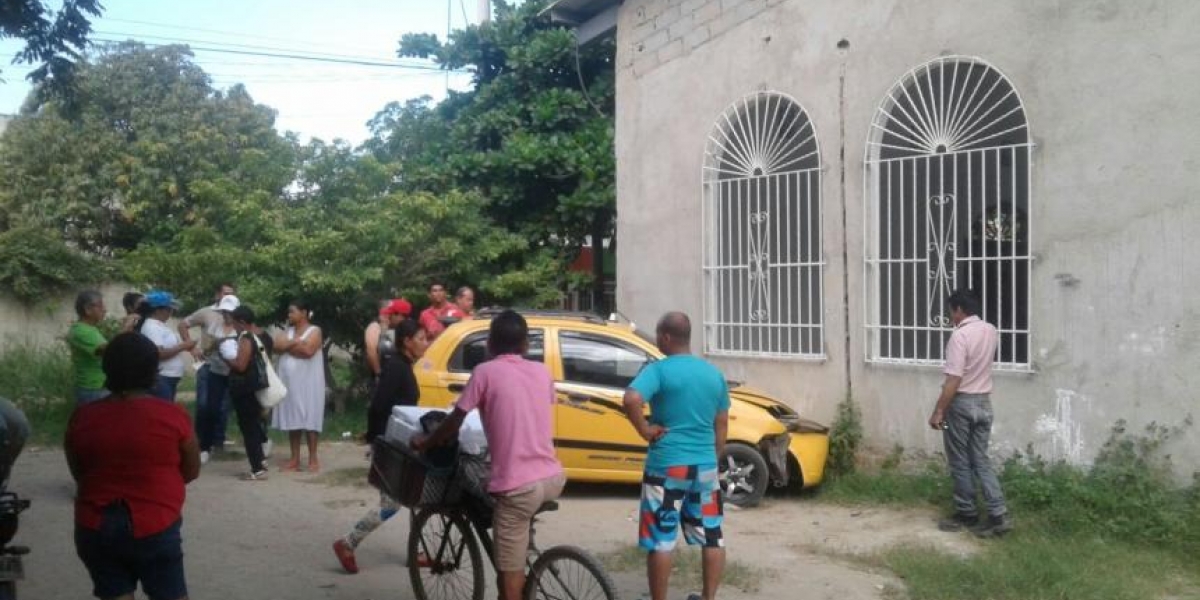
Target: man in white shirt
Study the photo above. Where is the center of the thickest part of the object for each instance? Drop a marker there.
(170, 346)
(212, 380)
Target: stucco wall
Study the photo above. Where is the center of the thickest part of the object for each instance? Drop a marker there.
(1109, 89)
(46, 323)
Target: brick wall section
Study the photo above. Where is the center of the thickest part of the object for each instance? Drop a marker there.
(663, 30)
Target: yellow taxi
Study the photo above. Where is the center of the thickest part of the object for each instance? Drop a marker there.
(592, 361)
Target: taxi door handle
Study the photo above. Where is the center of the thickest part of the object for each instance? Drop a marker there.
(577, 398)
(457, 387)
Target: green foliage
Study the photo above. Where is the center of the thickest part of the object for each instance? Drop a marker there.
(1120, 529)
(926, 484)
(150, 149)
(537, 147)
(159, 177)
(40, 382)
(53, 37)
(1030, 564)
(34, 264)
(844, 439)
(1129, 494)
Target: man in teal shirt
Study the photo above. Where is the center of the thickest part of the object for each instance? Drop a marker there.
(87, 346)
(689, 417)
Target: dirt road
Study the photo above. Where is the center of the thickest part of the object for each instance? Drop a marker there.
(271, 540)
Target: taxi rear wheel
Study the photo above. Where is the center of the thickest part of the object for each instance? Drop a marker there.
(744, 476)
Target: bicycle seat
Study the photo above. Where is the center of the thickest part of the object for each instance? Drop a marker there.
(550, 506)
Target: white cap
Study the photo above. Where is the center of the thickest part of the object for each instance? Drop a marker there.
(228, 303)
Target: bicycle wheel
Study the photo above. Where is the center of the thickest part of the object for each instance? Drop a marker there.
(568, 573)
(443, 557)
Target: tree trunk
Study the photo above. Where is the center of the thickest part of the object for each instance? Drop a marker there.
(599, 229)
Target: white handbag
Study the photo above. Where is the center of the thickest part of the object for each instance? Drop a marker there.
(275, 391)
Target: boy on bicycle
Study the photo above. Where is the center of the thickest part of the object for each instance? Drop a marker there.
(515, 398)
(689, 418)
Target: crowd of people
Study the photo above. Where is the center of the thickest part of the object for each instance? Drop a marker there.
(132, 449)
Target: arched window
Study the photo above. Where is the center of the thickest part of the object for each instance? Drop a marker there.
(762, 231)
(947, 207)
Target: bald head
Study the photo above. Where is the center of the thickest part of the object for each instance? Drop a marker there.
(674, 333)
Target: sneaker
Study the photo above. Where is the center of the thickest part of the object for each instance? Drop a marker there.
(204, 456)
(994, 527)
(254, 476)
(345, 555)
(959, 522)
(267, 447)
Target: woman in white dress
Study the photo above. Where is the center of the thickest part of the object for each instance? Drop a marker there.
(302, 370)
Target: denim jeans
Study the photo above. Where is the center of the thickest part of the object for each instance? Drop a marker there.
(969, 426)
(164, 387)
(216, 435)
(117, 561)
(210, 424)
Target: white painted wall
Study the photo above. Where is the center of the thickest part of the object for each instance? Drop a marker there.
(1110, 91)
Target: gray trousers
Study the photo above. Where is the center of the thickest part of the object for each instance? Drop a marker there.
(969, 426)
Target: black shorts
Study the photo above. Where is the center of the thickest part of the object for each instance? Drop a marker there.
(117, 561)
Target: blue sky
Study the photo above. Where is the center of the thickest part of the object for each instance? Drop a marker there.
(323, 100)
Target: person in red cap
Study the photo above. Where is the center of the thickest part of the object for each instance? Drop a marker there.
(378, 340)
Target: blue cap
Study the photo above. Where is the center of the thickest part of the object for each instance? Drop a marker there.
(161, 299)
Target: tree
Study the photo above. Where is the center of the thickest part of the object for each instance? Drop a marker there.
(53, 40)
(534, 137)
(150, 149)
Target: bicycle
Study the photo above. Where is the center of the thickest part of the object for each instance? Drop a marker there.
(444, 561)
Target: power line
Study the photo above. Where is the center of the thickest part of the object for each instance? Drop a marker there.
(344, 61)
(242, 46)
(229, 33)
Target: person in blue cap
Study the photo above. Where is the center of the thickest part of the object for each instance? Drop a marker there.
(170, 347)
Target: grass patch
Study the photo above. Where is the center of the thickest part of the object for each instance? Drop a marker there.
(347, 477)
(1032, 565)
(40, 381)
(927, 484)
(686, 569)
(1120, 529)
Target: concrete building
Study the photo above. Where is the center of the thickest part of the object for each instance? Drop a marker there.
(810, 178)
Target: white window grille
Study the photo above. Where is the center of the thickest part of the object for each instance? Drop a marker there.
(947, 183)
(763, 263)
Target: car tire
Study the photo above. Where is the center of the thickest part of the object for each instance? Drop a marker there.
(743, 475)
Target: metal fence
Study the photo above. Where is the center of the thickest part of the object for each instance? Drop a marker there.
(947, 183)
(763, 264)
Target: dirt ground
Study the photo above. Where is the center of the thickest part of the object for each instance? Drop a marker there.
(271, 540)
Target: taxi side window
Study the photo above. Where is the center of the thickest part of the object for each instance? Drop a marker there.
(472, 351)
(596, 360)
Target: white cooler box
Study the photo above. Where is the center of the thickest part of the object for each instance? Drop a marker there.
(406, 422)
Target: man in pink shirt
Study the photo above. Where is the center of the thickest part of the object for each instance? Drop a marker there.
(964, 414)
(515, 398)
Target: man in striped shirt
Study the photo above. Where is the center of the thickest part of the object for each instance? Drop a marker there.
(964, 414)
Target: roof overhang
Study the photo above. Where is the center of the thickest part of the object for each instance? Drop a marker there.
(591, 19)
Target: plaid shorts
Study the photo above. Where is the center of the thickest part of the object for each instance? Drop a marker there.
(687, 495)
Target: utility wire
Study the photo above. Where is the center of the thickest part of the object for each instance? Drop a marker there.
(229, 33)
(247, 46)
(343, 61)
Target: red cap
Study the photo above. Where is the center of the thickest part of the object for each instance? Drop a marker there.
(399, 306)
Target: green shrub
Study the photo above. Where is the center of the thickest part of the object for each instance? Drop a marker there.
(844, 439)
(39, 380)
(1129, 493)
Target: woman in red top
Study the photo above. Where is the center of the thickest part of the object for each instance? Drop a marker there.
(131, 456)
